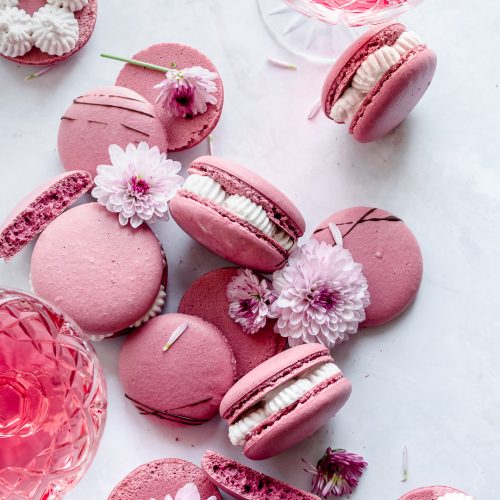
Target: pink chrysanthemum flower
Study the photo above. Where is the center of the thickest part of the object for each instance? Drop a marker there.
(322, 295)
(188, 492)
(186, 92)
(138, 184)
(337, 473)
(249, 300)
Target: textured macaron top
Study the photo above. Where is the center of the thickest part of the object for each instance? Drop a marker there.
(436, 493)
(102, 275)
(267, 376)
(39, 208)
(236, 179)
(160, 478)
(244, 483)
(343, 71)
(185, 383)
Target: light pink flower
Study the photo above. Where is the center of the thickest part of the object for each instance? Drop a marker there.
(249, 300)
(188, 492)
(138, 184)
(186, 92)
(337, 473)
(322, 295)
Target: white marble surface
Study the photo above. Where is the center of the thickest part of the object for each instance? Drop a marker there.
(426, 381)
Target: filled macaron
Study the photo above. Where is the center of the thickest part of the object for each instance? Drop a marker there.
(105, 116)
(32, 215)
(165, 478)
(107, 277)
(244, 483)
(237, 214)
(436, 493)
(378, 80)
(208, 298)
(45, 32)
(389, 253)
(177, 368)
(284, 400)
(187, 121)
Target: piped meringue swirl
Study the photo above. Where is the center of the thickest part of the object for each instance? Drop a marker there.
(16, 30)
(8, 3)
(71, 5)
(55, 30)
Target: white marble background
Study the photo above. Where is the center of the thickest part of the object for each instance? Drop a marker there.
(427, 381)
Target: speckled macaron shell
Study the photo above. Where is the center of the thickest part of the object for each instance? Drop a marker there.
(182, 133)
(39, 208)
(105, 116)
(163, 477)
(226, 234)
(429, 493)
(185, 384)
(390, 255)
(394, 96)
(296, 422)
(243, 483)
(86, 18)
(207, 299)
(103, 275)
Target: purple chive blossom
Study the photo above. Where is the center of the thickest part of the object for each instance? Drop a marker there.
(249, 301)
(186, 92)
(337, 473)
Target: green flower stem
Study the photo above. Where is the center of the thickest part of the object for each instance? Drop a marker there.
(142, 64)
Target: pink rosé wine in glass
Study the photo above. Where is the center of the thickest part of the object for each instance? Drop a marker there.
(52, 400)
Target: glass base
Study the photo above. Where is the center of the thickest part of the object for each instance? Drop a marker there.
(305, 36)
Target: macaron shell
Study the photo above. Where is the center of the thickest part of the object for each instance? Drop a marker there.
(395, 96)
(226, 235)
(300, 423)
(189, 379)
(207, 299)
(389, 253)
(163, 477)
(429, 493)
(105, 116)
(250, 178)
(86, 18)
(182, 133)
(263, 379)
(102, 275)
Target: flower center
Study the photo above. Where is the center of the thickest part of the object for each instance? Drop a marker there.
(323, 297)
(138, 186)
(184, 96)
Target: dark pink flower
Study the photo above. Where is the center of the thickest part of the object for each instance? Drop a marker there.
(337, 473)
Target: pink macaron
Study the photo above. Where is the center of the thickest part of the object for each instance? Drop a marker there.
(436, 493)
(168, 476)
(182, 133)
(389, 253)
(32, 215)
(106, 277)
(244, 483)
(86, 18)
(177, 368)
(284, 400)
(237, 214)
(378, 80)
(105, 116)
(207, 298)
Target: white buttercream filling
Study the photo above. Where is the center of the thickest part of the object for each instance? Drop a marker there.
(455, 496)
(8, 3)
(16, 29)
(369, 74)
(279, 399)
(55, 30)
(71, 5)
(155, 309)
(243, 207)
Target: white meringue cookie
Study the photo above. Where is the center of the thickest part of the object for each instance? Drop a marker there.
(55, 30)
(15, 32)
(71, 5)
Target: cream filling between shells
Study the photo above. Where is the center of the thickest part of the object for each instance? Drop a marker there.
(278, 399)
(369, 74)
(155, 309)
(246, 209)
